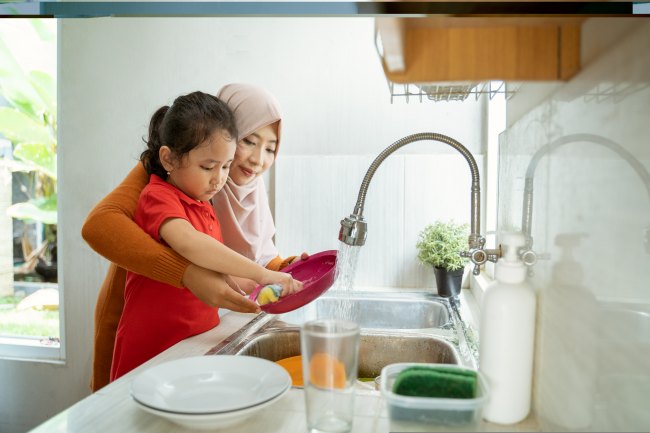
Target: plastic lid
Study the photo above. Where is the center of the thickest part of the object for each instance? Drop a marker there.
(510, 268)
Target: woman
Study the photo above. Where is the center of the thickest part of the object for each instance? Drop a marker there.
(241, 206)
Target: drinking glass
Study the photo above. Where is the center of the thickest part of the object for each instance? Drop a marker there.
(330, 353)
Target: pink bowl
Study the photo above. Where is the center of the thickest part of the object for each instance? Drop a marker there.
(317, 275)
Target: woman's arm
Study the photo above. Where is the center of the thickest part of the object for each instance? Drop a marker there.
(110, 230)
(205, 251)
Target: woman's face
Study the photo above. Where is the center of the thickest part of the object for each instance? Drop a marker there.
(254, 154)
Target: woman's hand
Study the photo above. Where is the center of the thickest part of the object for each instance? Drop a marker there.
(214, 289)
(303, 256)
(244, 284)
(289, 285)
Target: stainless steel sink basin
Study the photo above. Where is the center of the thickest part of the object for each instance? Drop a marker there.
(377, 349)
(377, 312)
(395, 327)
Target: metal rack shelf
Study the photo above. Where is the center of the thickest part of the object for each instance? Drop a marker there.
(453, 91)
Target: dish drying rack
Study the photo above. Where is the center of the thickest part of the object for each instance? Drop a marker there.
(452, 91)
(444, 91)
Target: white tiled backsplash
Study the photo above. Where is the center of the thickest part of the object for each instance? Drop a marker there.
(407, 192)
(590, 211)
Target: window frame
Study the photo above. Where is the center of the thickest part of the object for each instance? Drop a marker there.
(29, 348)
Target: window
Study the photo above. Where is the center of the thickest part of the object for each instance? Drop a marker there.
(496, 124)
(29, 296)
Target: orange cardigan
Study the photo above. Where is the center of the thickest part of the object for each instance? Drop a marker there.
(132, 250)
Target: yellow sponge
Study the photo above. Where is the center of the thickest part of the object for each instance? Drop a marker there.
(268, 294)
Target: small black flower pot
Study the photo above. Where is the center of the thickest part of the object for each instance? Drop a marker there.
(448, 282)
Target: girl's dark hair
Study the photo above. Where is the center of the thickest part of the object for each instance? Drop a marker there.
(186, 124)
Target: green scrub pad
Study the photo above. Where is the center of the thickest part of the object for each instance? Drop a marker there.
(440, 382)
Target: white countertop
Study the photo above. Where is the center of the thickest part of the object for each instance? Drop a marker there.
(112, 410)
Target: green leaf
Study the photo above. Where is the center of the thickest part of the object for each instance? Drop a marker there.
(45, 203)
(8, 65)
(42, 30)
(440, 244)
(18, 127)
(41, 156)
(19, 101)
(16, 87)
(45, 86)
(36, 210)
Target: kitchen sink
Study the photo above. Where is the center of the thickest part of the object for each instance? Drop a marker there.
(416, 311)
(376, 349)
(395, 327)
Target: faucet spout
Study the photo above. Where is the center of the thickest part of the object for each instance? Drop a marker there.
(353, 228)
(528, 255)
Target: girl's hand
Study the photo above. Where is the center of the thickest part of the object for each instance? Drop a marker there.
(303, 256)
(217, 290)
(289, 285)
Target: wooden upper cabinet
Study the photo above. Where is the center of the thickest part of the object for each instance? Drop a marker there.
(443, 49)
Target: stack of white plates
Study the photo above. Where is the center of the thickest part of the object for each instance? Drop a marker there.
(209, 392)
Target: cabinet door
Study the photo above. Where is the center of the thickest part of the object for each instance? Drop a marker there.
(421, 50)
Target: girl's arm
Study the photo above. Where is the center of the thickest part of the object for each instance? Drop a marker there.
(205, 251)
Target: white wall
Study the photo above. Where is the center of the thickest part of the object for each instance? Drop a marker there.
(590, 214)
(406, 193)
(114, 73)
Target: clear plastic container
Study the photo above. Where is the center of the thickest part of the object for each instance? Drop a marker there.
(427, 414)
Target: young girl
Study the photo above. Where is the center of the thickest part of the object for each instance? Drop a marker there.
(242, 209)
(191, 146)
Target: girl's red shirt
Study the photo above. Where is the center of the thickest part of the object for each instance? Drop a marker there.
(157, 315)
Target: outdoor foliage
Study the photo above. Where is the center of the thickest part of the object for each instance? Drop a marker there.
(29, 122)
(31, 322)
(439, 244)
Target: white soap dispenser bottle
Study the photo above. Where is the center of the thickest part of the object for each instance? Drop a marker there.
(507, 336)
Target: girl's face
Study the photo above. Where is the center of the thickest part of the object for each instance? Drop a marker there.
(203, 171)
(255, 154)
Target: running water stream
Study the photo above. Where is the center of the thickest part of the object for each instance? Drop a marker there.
(346, 266)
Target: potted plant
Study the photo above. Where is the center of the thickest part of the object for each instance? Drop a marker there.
(439, 245)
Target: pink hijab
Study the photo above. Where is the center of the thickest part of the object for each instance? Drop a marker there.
(243, 211)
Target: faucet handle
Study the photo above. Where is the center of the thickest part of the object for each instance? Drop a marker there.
(528, 256)
(480, 256)
(477, 256)
(530, 259)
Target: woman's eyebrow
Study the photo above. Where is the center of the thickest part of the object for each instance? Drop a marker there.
(256, 135)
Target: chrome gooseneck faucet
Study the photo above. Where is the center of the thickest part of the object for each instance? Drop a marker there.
(528, 255)
(354, 228)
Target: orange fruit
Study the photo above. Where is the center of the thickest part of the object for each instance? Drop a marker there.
(326, 371)
(293, 365)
